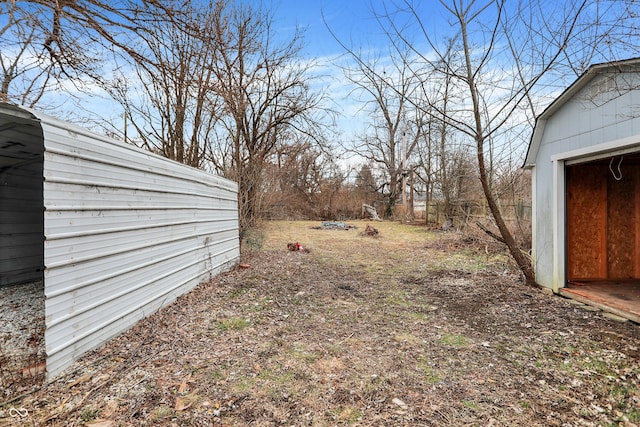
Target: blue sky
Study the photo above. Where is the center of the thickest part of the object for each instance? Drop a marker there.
(347, 18)
(352, 21)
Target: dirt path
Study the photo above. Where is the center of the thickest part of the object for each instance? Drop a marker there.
(394, 331)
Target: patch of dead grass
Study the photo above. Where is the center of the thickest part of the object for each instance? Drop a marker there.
(361, 331)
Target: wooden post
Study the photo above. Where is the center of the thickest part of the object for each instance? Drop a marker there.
(426, 212)
(411, 212)
(637, 223)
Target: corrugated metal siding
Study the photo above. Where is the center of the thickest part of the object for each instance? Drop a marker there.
(126, 232)
(21, 206)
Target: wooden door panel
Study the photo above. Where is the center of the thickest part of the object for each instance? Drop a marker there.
(586, 201)
(621, 222)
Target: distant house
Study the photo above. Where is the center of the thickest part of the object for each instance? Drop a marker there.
(113, 232)
(585, 161)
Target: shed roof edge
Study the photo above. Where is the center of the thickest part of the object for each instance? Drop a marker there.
(566, 95)
(46, 120)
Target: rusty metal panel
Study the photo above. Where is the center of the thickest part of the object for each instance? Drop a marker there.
(586, 222)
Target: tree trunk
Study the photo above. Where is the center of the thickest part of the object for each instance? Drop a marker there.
(523, 262)
(520, 258)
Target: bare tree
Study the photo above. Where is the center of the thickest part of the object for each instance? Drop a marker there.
(475, 74)
(439, 153)
(299, 167)
(169, 98)
(51, 45)
(507, 52)
(22, 81)
(395, 127)
(366, 185)
(265, 91)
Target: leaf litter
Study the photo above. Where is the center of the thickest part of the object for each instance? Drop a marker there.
(360, 331)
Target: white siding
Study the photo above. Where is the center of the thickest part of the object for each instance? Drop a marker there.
(125, 233)
(589, 123)
(585, 121)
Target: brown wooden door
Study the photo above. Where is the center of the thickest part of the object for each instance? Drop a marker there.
(603, 220)
(586, 222)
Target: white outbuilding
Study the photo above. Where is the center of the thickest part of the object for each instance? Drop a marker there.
(585, 161)
(111, 231)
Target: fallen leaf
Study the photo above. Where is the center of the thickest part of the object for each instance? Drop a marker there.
(399, 402)
(100, 378)
(180, 405)
(100, 423)
(82, 379)
(183, 387)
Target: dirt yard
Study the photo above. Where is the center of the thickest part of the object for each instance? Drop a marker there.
(407, 328)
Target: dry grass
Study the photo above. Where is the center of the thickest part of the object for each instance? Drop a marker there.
(399, 248)
(410, 328)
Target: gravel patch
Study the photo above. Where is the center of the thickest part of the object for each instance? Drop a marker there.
(21, 333)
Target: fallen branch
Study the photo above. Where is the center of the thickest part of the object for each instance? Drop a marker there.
(490, 233)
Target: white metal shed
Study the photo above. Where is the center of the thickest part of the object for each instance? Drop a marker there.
(585, 160)
(113, 231)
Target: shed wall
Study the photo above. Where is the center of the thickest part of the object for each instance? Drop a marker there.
(126, 232)
(603, 112)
